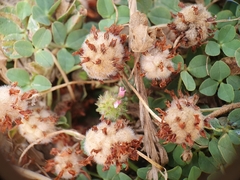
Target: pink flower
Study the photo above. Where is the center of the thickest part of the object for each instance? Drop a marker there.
(117, 103)
(121, 92)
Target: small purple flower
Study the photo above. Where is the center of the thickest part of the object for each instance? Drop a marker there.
(121, 92)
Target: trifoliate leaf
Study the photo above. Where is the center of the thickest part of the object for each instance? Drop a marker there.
(18, 75)
(226, 34)
(105, 8)
(225, 92)
(212, 48)
(229, 48)
(208, 87)
(198, 66)
(219, 71)
(188, 81)
(24, 48)
(42, 38)
(226, 148)
(159, 15)
(59, 32)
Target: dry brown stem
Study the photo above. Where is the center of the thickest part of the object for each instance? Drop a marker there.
(150, 161)
(79, 82)
(223, 110)
(150, 140)
(70, 132)
(30, 174)
(151, 145)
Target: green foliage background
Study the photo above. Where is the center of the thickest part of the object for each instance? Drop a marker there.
(31, 30)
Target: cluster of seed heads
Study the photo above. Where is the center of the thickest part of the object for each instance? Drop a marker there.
(37, 125)
(111, 143)
(103, 56)
(102, 53)
(67, 163)
(192, 24)
(183, 122)
(14, 106)
(18, 109)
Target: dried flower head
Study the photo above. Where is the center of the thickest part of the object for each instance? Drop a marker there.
(62, 140)
(139, 39)
(14, 105)
(187, 155)
(192, 24)
(156, 64)
(183, 122)
(102, 53)
(37, 125)
(67, 163)
(111, 143)
(111, 105)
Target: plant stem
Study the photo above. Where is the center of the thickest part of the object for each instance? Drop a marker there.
(30, 174)
(53, 45)
(58, 90)
(94, 174)
(207, 61)
(209, 109)
(73, 133)
(158, 26)
(179, 84)
(150, 161)
(134, 66)
(211, 3)
(49, 99)
(116, 10)
(132, 166)
(64, 76)
(222, 169)
(51, 18)
(226, 20)
(76, 82)
(141, 99)
(222, 110)
(176, 41)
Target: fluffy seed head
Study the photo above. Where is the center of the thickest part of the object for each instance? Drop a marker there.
(183, 121)
(38, 124)
(14, 105)
(192, 24)
(67, 162)
(111, 143)
(102, 53)
(156, 65)
(62, 140)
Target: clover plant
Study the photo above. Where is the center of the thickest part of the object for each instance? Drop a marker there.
(145, 89)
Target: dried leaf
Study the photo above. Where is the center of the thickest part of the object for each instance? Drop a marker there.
(132, 4)
(139, 39)
(151, 145)
(62, 8)
(3, 69)
(231, 62)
